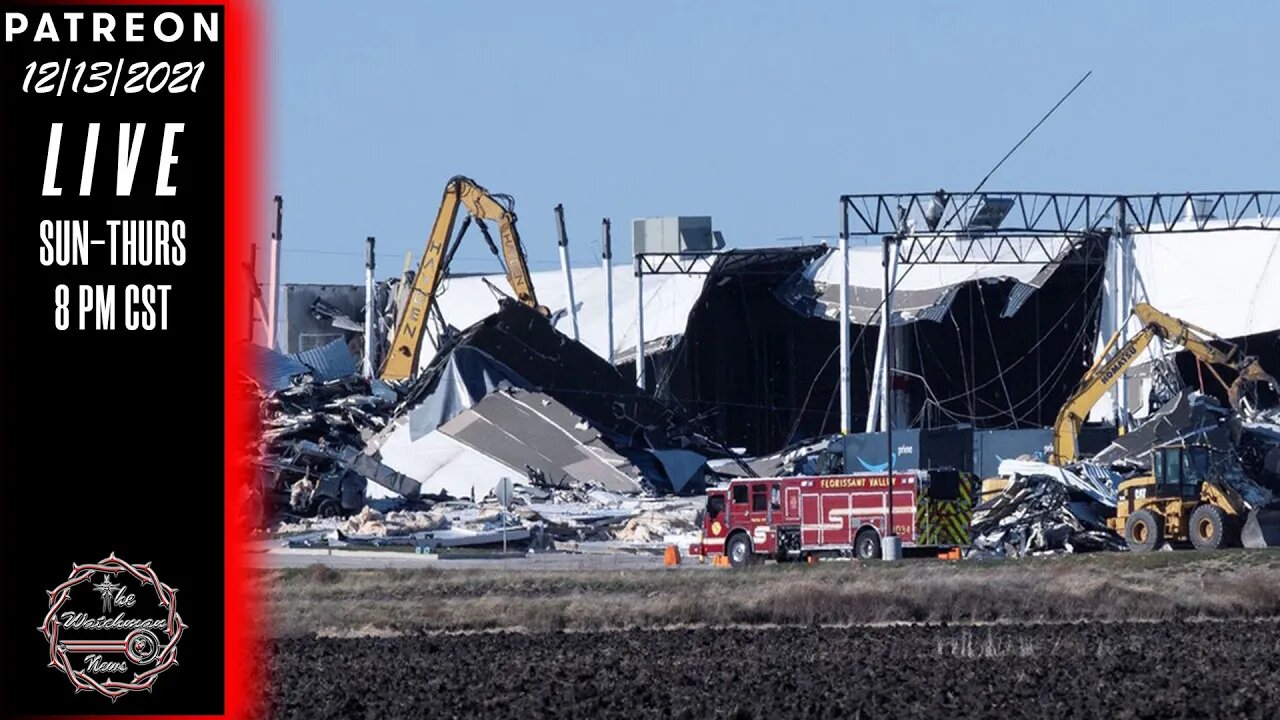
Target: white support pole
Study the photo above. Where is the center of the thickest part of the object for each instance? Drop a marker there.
(563, 240)
(607, 250)
(370, 312)
(639, 326)
(273, 276)
(877, 410)
(846, 399)
(1123, 306)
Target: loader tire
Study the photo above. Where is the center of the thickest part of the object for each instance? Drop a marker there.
(1210, 528)
(1144, 531)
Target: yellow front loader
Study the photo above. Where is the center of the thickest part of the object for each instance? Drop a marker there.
(1185, 499)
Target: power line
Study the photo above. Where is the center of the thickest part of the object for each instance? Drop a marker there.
(956, 212)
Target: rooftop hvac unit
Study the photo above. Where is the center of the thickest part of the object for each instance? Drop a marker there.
(1198, 209)
(678, 234)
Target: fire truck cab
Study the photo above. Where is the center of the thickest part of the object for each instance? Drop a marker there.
(790, 518)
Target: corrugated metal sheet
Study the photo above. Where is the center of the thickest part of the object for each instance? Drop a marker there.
(276, 370)
(328, 362)
(1017, 298)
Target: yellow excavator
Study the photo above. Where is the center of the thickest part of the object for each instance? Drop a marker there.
(1112, 363)
(481, 205)
(1184, 498)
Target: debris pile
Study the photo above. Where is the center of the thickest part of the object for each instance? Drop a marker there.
(1045, 509)
(1258, 447)
(309, 451)
(562, 519)
(1049, 508)
(528, 398)
(1243, 445)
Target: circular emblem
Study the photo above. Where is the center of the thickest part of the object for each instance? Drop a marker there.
(113, 627)
(716, 527)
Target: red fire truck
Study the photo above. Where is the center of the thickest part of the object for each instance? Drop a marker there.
(790, 518)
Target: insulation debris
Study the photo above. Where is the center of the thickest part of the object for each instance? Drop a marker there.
(537, 519)
(1098, 483)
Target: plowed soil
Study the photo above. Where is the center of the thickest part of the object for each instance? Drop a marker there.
(1115, 670)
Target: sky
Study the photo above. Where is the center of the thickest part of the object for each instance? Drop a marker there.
(759, 114)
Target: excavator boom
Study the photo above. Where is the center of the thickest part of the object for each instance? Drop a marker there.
(1112, 363)
(481, 205)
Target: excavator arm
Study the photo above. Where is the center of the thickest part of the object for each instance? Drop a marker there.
(1112, 363)
(1099, 378)
(481, 205)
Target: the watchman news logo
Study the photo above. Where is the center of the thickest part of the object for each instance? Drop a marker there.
(113, 627)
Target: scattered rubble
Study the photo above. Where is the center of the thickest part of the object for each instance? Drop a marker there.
(511, 388)
(311, 437)
(1044, 509)
(1048, 508)
(1245, 446)
(538, 519)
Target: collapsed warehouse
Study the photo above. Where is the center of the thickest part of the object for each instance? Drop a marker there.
(996, 314)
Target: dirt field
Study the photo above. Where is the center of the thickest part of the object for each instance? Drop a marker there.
(1044, 637)
(1169, 670)
(1159, 586)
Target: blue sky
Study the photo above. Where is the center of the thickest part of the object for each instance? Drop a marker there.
(759, 114)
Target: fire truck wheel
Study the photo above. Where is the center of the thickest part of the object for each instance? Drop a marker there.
(739, 550)
(867, 545)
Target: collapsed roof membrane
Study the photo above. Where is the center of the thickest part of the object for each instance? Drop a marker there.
(923, 291)
(762, 367)
(467, 299)
(532, 400)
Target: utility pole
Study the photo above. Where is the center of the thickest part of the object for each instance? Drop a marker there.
(639, 325)
(606, 242)
(846, 410)
(891, 547)
(255, 289)
(273, 276)
(1122, 309)
(370, 312)
(563, 241)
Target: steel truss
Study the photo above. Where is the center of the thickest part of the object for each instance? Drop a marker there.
(701, 262)
(1017, 227)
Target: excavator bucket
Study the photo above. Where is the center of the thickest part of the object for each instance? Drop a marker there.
(1261, 529)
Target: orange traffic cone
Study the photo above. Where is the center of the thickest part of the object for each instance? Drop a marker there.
(671, 556)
